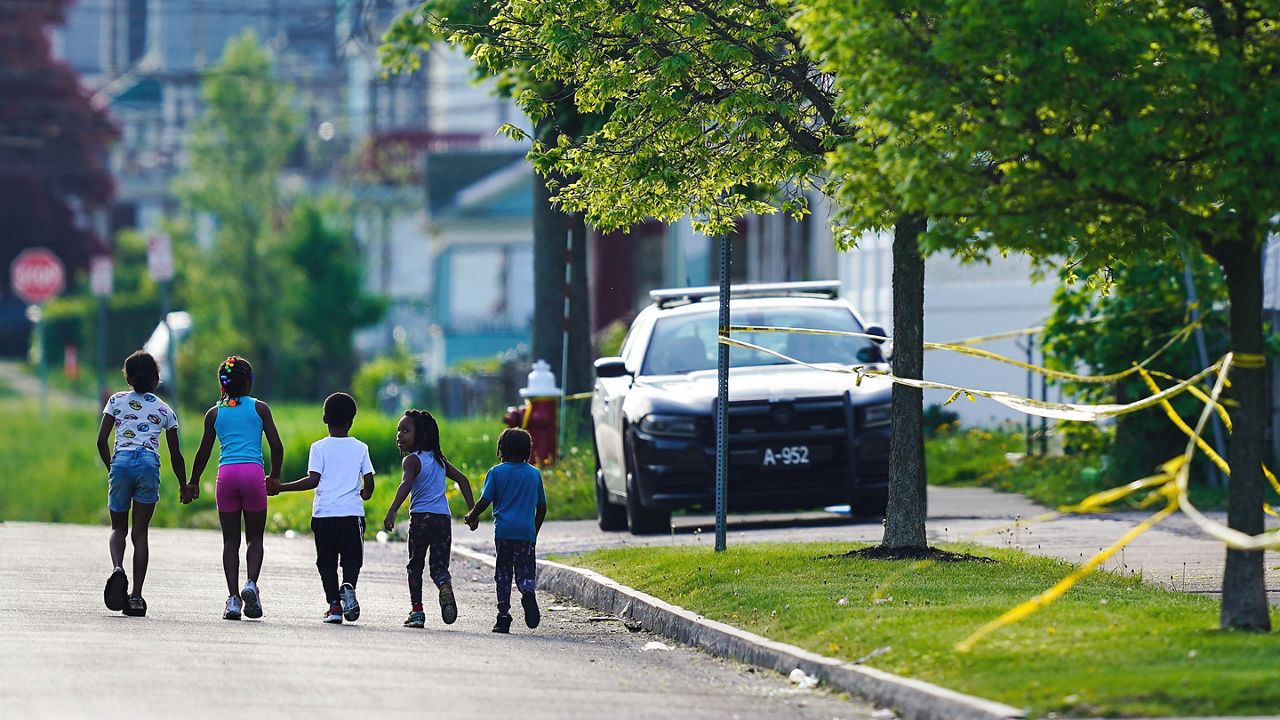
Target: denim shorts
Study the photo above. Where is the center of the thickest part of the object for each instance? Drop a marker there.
(134, 477)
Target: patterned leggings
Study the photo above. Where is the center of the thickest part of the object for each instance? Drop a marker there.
(431, 532)
(514, 557)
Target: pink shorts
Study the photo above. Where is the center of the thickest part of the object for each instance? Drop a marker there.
(242, 486)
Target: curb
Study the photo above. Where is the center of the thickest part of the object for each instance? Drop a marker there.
(912, 699)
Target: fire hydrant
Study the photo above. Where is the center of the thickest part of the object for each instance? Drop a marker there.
(538, 415)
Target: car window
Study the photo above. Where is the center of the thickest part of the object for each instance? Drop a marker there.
(687, 343)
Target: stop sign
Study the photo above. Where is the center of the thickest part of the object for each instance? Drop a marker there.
(36, 276)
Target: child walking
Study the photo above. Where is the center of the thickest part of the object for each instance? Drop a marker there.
(514, 488)
(430, 522)
(239, 422)
(340, 471)
(133, 471)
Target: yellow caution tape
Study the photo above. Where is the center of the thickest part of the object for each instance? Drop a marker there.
(1178, 336)
(579, 396)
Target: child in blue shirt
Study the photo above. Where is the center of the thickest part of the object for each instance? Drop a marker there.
(514, 488)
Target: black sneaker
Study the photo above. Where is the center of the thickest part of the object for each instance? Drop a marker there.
(503, 625)
(350, 607)
(448, 606)
(116, 594)
(532, 616)
(136, 607)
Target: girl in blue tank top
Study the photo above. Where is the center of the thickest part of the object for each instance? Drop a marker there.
(430, 522)
(239, 422)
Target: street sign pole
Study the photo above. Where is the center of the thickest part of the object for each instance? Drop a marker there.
(101, 273)
(170, 352)
(160, 268)
(722, 398)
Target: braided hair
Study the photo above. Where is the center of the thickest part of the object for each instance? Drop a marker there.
(426, 434)
(235, 378)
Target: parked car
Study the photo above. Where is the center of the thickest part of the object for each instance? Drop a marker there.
(799, 437)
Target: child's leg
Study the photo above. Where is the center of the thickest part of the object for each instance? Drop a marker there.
(119, 530)
(502, 573)
(419, 541)
(350, 538)
(255, 524)
(230, 522)
(142, 513)
(326, 557)
(441, 538)
(525, 566)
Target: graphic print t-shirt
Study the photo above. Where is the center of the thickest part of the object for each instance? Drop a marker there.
(140, 418)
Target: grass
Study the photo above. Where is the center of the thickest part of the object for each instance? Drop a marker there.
(977, 457)
(1111, 647)
(53, 474)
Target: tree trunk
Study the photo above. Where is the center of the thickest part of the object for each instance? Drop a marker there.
(1244, 595)
(904, 520)
(551, 231)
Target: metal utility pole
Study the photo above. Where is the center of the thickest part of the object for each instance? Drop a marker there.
(722, 398)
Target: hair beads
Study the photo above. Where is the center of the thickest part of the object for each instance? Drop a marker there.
(235, 377)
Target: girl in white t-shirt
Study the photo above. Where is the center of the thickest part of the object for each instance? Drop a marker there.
(430, 522)
(138, 418)
(341, 473)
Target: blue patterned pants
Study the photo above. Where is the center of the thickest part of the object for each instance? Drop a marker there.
(515, 557)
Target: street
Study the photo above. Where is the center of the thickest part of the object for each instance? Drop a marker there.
(63, 654)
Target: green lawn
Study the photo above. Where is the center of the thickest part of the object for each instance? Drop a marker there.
(1112, 646)
(52, 472)
(976, 457)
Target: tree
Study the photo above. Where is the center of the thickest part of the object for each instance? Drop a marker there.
(237, 148)
(1143, 310)
(456, 21)
(328, 306)
(53, 141)
(712, 110)
(1107, 130)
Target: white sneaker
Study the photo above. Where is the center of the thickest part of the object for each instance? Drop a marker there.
(233, 609)
(252, 600)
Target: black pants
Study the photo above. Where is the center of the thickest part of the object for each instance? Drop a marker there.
(429, 534)
(338, 537)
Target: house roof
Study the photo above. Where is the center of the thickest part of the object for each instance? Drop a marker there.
(479, 185)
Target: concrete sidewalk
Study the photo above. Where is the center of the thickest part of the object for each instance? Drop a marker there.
(1174, 554)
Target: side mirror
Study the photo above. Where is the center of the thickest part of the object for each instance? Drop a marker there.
(611, 367)
(876, 330)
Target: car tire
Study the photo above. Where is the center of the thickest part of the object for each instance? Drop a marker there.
(610, 517)
(640, 519)
(869, 503)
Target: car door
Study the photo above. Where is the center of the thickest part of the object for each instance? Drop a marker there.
(607, 408)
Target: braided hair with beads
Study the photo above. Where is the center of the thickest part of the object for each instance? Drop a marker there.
(426, 434)
(235, 379)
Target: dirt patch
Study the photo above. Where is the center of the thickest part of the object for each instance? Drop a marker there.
(880, 552)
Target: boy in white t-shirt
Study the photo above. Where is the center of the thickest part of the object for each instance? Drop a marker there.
(341, 473)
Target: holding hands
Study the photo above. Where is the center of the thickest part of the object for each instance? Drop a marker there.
(273, 485)
(472, 519)
(187, 492)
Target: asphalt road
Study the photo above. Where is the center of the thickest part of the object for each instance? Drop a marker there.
(1175, 553)
(64, 655)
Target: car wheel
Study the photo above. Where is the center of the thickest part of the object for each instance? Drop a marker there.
(640, 519)
(869, 503)
(609, 517)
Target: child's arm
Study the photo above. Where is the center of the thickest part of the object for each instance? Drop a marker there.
(367, 492)
(464, 485)
(472, 518)
(274, 444)
(409, 470)
(178, 463)
(539, 515)
(104, 439)
(202, 452)
(307, 483)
